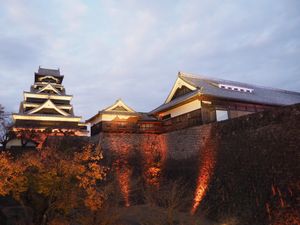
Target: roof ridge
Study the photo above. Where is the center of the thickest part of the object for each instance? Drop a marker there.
(44, 68)
(49, 71)
(183, 74)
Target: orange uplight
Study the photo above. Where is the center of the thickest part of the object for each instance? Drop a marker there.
(273, 190)
(122, 168)
(154, 156)
(205, 174)
(268, 211)
(123, 176)
(152, 175)
(206, 169)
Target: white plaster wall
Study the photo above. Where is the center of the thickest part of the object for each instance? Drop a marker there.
(188, 107)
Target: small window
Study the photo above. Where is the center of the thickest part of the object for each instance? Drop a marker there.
(221, 115)
(236, 88)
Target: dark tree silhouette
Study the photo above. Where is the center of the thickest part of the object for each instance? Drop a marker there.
(5, 125)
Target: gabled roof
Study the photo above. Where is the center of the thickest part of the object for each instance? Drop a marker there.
(49, 87)
(178, 84)
(225, 89)
(119, 106)
(48, 105)
(176, 102)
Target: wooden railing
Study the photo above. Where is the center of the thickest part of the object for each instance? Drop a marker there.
(183, 121)
(126, 127)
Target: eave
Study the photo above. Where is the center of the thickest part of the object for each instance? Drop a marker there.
(46, 96)
(58, 86)
(177, 102)
(133, 114)
(27, 104)
(40, 117)
(38, 75)
(48, 105)
(49, 87)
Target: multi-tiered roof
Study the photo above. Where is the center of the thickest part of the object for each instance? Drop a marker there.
(47, 105)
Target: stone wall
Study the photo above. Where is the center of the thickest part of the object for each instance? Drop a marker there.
(255, 179)
(250, 164)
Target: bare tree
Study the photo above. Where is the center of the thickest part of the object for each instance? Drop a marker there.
(5, 125)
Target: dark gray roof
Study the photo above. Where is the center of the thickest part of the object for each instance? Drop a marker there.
(175, 101)
(147, 117)
(210, 87)
(49, 72)
(142, 116)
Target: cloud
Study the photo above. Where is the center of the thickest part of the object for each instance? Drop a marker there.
(134, 49)
(72, 13)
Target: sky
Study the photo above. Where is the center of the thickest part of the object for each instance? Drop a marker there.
(133, 49)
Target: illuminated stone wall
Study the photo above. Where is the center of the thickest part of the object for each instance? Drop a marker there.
(248, 168)
(256, 175)
(244, 170)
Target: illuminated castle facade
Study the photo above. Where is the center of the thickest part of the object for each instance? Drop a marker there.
(193, 100)
(47, 107)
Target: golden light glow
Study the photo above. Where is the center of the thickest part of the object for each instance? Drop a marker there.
(26, 105)
(48, 77)
(48, 105)
(122, 169)
(46, 118)
(123, 176)
(154, 159)
(206, 169)
(49, 87)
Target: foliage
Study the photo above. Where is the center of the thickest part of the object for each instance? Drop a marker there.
(54, 184)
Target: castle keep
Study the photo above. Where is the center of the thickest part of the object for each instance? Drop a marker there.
(47, 107)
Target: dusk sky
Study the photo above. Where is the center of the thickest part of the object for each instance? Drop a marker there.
(134, 49)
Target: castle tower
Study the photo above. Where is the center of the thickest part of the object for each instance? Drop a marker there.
(47, 107)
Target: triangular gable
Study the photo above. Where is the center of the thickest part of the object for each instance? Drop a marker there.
(50, 88)
(179, 84)
(48, 105)
(49, 77)
(119, 106)
(183, 90)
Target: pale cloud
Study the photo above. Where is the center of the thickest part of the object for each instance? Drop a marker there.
(134, 49)
(72, 12)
